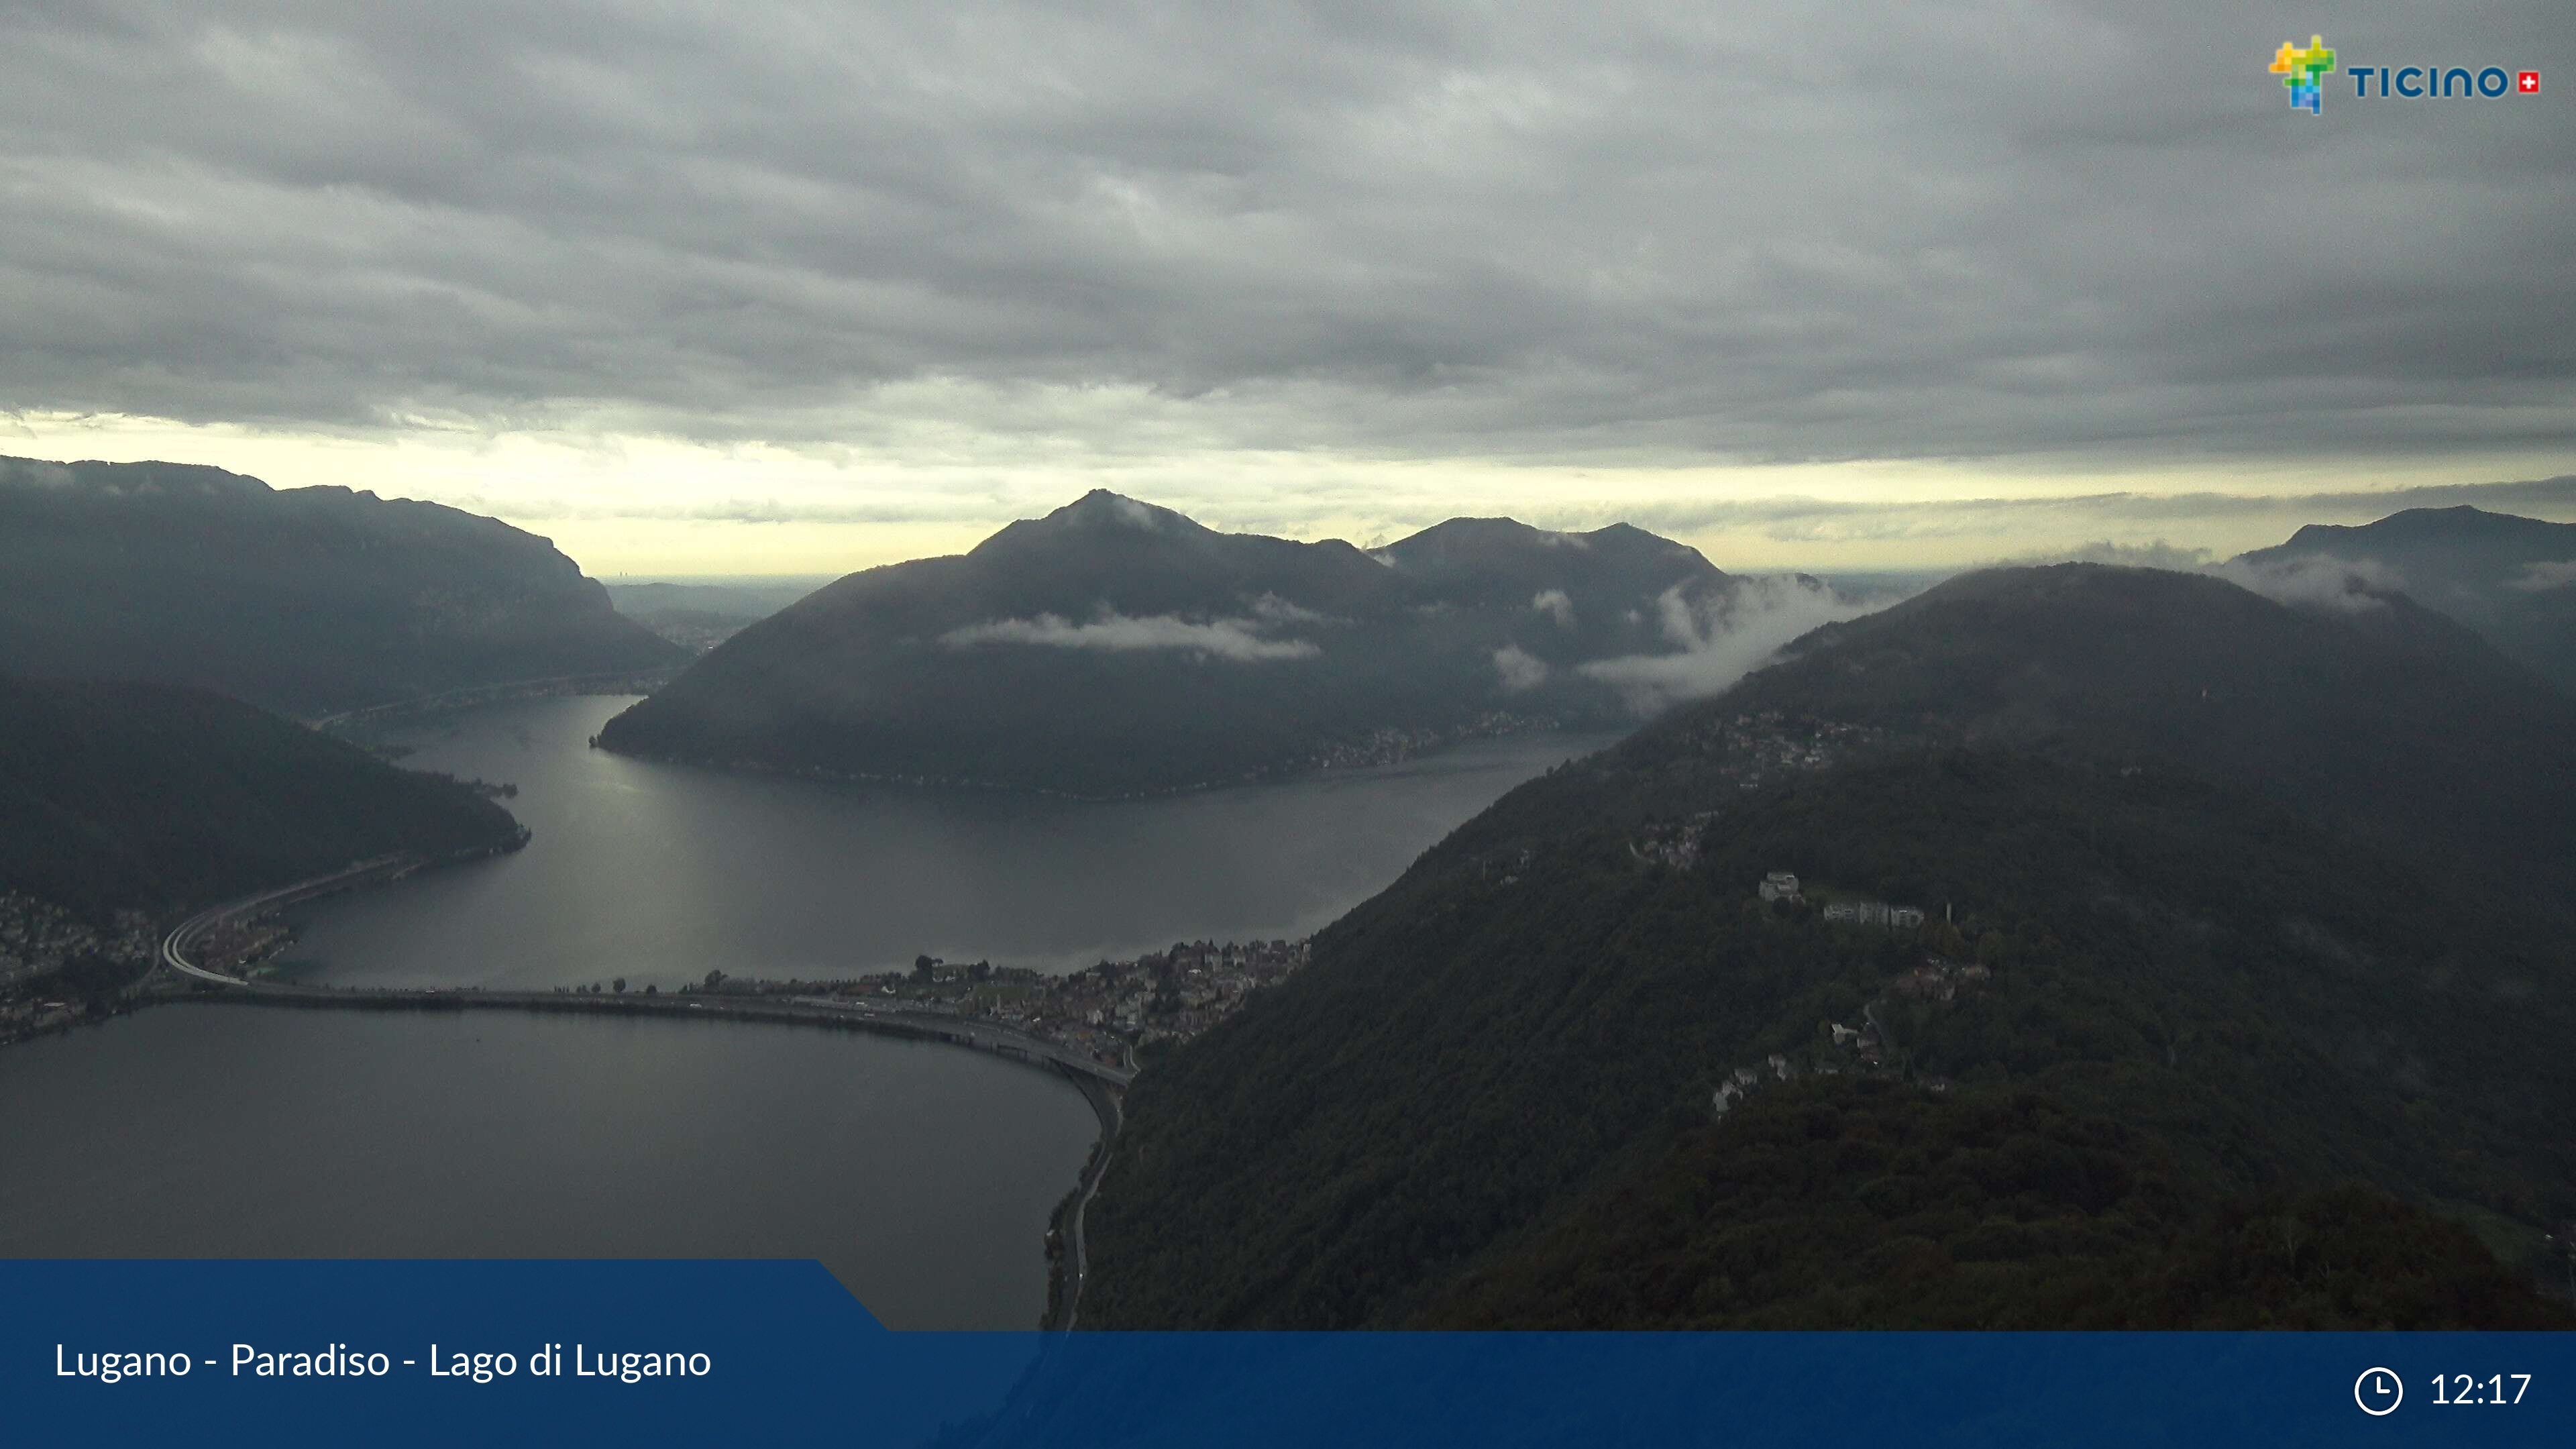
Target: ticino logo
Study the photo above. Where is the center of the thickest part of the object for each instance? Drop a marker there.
(2303, 69)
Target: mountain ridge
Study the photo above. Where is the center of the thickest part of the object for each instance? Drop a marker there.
(2510, 578)
(309, 601)
(1113, 647)
(161, 798)
(1531, 1021)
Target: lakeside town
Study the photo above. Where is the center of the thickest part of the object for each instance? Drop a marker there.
(57, 970)
(53, 963)
(1118, 1013)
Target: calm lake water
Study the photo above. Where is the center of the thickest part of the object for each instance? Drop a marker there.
(661, 873)
(922, 1175)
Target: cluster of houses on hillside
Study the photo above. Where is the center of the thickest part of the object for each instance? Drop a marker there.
(1174, 994)
(1755, 747)
(1873, 913)
(1940, 979)
(1673, 843)
(1865, 1049)
(1751, 749)
(1781, 885)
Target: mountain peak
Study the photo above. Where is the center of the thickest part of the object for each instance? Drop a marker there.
(1485, 540)
(1101, 508)
(2461, 521)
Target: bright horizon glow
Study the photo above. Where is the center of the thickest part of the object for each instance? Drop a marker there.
(648, 507)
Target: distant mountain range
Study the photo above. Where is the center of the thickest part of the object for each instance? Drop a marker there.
(1114, 647)
(2511, 579)
(2246, 924)
(698, 616)
(308, 601)
(746, 601)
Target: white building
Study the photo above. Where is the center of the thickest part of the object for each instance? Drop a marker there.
(1873, 913)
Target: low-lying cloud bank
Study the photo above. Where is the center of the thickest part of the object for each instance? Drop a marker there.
(2343, 586)
(1235, 640)
(2321, 581)
(2540, 578)
(1720, 640)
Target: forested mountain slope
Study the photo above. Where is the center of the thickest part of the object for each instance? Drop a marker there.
(152, 798)
(2270, 985)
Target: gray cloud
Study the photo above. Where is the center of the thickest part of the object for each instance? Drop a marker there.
(2156, 555)
(2540, 578)
(1719, 641)
(1272, 609)
(1519, 670)
(1655, 233)
(1554, 604)
(2347, 586)
(1229, 639)
(1817, 519)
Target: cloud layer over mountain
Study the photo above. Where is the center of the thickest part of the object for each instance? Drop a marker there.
(1228, 639)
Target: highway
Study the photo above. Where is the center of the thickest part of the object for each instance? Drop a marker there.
(175, 947)
(1077, 1262)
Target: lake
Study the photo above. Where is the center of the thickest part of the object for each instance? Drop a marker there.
(921, 1175)
(661, 873)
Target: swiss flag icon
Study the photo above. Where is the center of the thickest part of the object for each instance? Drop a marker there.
(2528, 83)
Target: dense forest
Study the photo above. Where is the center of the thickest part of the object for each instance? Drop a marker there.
(1842, 1202)
(146, 797)
(308, 601)
(2264, 1002)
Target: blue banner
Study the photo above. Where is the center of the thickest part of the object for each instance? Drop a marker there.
(289, 1353)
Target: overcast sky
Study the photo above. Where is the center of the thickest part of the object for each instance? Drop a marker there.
(743, 287)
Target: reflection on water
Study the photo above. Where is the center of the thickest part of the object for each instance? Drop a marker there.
(661, 873)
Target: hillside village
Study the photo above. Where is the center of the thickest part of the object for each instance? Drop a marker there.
(1839, 1048)
(1757, 748)
(1752, 750)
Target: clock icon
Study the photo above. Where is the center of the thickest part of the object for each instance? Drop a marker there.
(2378, 1392)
